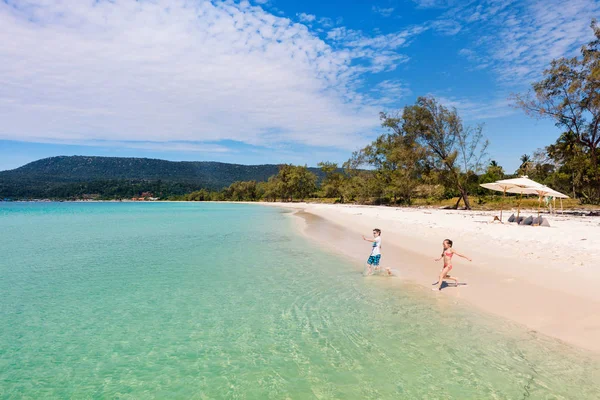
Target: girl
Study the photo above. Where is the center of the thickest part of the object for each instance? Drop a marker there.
(447, 253)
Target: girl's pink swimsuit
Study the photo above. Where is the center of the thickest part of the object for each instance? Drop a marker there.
(449, 265)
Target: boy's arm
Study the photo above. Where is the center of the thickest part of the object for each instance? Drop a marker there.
(368, 240)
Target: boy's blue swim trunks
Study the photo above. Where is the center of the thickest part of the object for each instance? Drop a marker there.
(374, 260)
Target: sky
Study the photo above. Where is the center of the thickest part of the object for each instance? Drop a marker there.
(269, 81)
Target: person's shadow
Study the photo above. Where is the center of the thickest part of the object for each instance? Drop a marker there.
(445, 284)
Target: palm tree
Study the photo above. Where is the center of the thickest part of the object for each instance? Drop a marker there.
(525, 164)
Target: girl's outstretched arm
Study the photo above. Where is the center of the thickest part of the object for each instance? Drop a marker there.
(461, 255)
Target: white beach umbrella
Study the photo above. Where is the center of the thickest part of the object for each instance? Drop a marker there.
(524, 185)
(499, 187)
(545, 191)
(520, 182)
(521, 185)
(515, 185)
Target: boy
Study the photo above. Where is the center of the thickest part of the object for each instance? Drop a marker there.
(375, 256)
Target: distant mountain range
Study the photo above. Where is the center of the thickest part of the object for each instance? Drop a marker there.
(65, 177)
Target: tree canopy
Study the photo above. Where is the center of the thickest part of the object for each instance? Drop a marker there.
(454, 152)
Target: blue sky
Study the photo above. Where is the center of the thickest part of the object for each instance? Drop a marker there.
(268, 81)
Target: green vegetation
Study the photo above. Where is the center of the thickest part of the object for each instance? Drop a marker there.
(118, 178)
(291, 183)
(333, 183)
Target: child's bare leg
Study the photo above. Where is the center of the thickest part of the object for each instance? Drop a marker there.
(441, 279)
(453, 278)
(438, 281)
(389, 271)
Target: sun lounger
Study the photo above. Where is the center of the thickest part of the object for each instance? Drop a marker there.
(527, 221)
(545, 222)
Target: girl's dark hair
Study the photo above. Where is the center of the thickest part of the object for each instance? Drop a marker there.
(377, 230)
(449, 242)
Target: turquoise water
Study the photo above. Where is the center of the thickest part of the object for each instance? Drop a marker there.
(219, 301)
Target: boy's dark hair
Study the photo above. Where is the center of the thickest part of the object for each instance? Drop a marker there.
(449, 242)
(377, 230)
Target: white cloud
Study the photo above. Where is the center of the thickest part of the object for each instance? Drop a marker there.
(434, 3)
(477, 110)
(386, 12)
(380, 51)
(470, 54)
(303, 17)
(391, 41)
(178, 71)
(326, 22)
(478, 61)
(390, 93)
(447, 27)
(519, 38)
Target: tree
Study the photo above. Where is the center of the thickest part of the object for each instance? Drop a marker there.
(304, 182)
(493, 173)
(569, 94)
(270, 189)
(541, 167)
(241, 191)
(397, 159)
(294, 182)
(333, 181)
(525, 165)
(361, 186)
(574, 167)
(284, 182)
(199, 195)
(454, 151)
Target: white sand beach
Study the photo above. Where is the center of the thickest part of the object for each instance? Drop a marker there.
(544, 278)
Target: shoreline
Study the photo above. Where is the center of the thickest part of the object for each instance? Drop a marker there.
(584, 210)
(536, 293)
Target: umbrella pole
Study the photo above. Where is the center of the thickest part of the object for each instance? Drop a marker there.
(561, 209)
(539, 207)
(519, 206)
(502, 204)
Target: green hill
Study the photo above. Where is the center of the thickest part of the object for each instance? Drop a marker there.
(110, 177)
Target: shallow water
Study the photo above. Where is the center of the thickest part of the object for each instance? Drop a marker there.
(211, 301)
